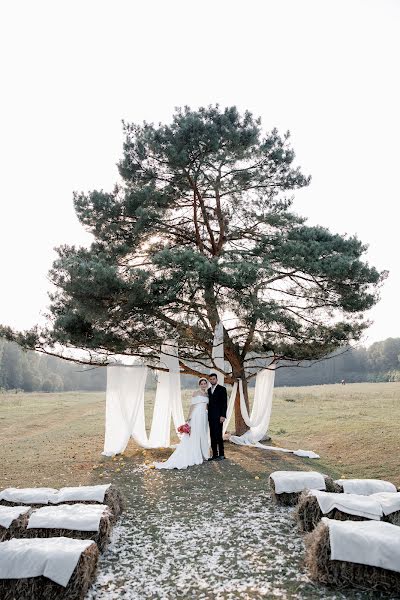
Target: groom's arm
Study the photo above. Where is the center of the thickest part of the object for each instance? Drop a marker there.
(224, 402)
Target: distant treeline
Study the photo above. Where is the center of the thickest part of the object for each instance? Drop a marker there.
(379, 362)
(32, 372)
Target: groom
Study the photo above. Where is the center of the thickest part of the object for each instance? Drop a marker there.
(217, 405)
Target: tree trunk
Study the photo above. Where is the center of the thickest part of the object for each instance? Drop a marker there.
(240, 425)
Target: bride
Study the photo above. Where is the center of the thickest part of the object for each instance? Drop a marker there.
(193, 449)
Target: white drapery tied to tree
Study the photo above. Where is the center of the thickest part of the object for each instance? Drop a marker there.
(125, 416)
(261, 411)
(231, 406)
(218, 352)
(124, 398)
(168, 399)
(260, 417)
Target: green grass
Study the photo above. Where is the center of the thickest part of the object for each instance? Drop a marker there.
(355, 428)
(58, 437)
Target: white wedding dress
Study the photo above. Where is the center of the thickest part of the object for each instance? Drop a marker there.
(193, 449)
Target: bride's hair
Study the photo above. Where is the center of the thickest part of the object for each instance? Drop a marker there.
(202, 379)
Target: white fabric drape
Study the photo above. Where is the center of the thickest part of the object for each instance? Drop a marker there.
(168, 399)
(231, 406)
(290, 482)
(218, 351)
(261, 415)
(262, 405)
(124, 407)
(125, 415)
(161, 422)
(351, 504)
(261, 411)
(175, 396)
(366, 487)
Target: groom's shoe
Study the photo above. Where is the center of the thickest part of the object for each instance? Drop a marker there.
(212, 458)
(222, 457)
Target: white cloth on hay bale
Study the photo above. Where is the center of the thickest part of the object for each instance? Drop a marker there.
(84, 493)
(365, 487)
(8, 514)
(389, 501)
(290, 482)
(260, 417)
(28, 495)
(79, 517)
(372, 543)
(54, 558)
(351, 504)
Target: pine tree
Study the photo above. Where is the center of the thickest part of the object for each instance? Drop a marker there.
(200, 228)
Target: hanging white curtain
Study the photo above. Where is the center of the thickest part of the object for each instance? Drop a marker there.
(175, 396)
(262, 405)
(231, 406)
(168, 398)
(261, 414)
(124, 406)
(125, 415)
(161, 422)
(261, 411)
(218, 351)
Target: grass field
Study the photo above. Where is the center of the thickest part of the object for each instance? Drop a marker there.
(211, 532)
(56, 439)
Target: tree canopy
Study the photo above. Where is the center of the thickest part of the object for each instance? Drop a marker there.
(200, 228)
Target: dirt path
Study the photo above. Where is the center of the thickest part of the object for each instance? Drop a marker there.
(210, 532)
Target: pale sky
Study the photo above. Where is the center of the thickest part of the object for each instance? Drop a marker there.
(72, 70)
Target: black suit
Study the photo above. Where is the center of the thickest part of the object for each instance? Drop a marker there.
(217, 406)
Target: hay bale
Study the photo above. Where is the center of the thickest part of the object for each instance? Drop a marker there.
(14, 530)
(37, 588)
(308, 513)
(115, 501)
(31, 504)
(113, 498)
(100, 537)
(342, 574)
(332, 486)
(393, 518)
(286, 499)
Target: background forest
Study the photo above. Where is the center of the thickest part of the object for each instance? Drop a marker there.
(32, 372)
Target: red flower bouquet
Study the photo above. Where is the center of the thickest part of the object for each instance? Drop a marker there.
(184, 428)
